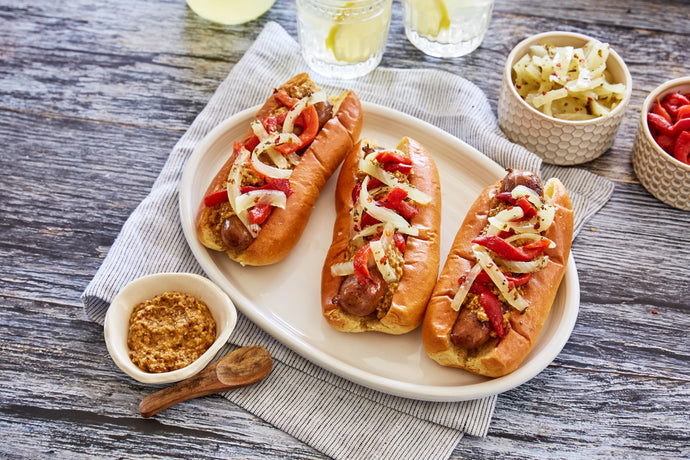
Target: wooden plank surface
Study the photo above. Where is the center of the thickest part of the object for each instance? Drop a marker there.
(95, 94)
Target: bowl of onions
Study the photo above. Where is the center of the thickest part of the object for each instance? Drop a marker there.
(563, 96)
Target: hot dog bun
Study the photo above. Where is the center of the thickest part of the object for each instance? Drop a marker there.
(281, 231)
(402, 309)
(497, 357)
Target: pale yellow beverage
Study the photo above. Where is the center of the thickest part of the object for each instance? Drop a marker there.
(230, 11)
(344, 39)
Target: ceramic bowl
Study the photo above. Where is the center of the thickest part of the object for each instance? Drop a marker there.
(559, 142)
(117, 320)
(662, 175)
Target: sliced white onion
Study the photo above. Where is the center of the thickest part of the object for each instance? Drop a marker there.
(253, 228)
(387, 234)
(293, 158)
(319, 96)
(379, 252)
(464, 288)
(510, 214)
(267, 145)
(343, 269)
(532, 196)
(371, 230)
(545, 210)
(284, 138)
(234, 181)
(512, 296)
(384, 214)
(529, 237)
(252, 198)
(266, 170)
(277, 158)
(295, 111)
(298, 108)
(545, 216)
(526, 226)
(515, 266)
(389, 179)
(259, 130)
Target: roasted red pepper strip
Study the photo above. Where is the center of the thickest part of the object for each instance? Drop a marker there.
(282, 185)
(251, 143)
(395, 197)
(683, 112)
(513, 281)
(681, 125)
(527, 208)
(271, 123)
(681, 149)
(373, 183)
(388, 156)
(534, 248)
(284, 98)
(259, 213)
(367, 220)
(676, 99)
(507, 251)
(399, 241)
(215, 198)
(507, 197)
(311, 129)
(396, 200)
(394, 161)
(360, 262)
(492, 308)
(490, 304)
(665, 142)
(355, 192)
(501, 247)
(660, 110)
(660, 123)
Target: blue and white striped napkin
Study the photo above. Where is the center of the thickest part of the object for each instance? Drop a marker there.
(333, 415)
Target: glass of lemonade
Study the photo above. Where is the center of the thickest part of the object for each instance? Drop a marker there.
(343, 39)
(230, 12)
(446, 28)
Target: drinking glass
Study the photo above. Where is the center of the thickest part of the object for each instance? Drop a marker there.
(344, 39)
(446, 28)
(230, 12)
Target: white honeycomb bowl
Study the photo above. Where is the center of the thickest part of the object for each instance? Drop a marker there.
(559, 142)
(662, 175)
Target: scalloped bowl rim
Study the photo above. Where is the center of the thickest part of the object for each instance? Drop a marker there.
(658, 92)
(535, 39)
(147, 287)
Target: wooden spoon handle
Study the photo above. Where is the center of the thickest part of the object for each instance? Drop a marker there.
(202, 384)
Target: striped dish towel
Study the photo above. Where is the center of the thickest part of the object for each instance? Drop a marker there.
(333, 415)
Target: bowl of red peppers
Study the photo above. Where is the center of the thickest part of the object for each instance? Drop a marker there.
(661, 153)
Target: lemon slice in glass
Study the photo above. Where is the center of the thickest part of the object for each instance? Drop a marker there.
(355, 42)
(432, 17)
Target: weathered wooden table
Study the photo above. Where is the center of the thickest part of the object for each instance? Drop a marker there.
(94, 96)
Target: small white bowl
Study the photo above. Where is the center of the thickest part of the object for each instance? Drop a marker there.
(559, 142)
(662, 175)
(116, 323)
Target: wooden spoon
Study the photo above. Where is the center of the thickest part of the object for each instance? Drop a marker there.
(240, 368)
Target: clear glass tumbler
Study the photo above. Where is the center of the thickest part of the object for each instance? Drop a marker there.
(343, 39)
(446, 28)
